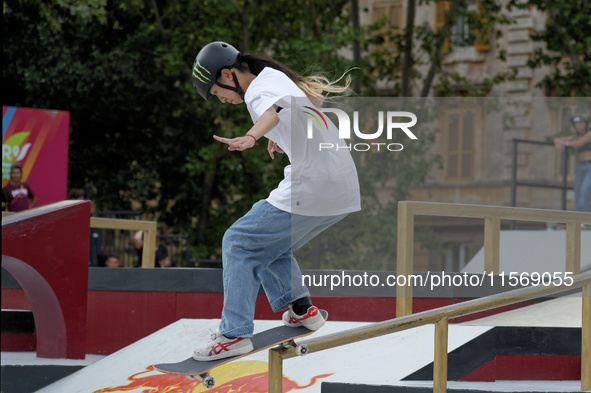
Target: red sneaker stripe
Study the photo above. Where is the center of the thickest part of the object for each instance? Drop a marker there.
(312, 311)
(218, 348)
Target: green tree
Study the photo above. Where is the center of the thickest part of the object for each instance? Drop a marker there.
(134, 117)
(394, 54)
(140, 136)
(394, 57)
(567, 50)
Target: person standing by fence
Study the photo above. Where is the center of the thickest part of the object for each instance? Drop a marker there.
(581, 141)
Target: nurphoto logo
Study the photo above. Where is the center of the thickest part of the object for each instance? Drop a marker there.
(345, 125)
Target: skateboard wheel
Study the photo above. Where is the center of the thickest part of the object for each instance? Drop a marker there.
(209, 382)
(302, 350)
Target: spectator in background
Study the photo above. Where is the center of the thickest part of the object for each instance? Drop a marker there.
(109, 260)
(16, 193)
(581, 141)
(162, 257)
(77, 194)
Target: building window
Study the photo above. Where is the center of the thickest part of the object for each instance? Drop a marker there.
(462, 33)
(389, 12)
(459, 130)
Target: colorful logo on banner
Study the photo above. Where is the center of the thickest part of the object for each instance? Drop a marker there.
(37, 139)
(246, 376)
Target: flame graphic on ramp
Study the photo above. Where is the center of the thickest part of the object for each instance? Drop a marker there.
(235, 377)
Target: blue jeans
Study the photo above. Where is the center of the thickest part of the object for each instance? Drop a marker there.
(257, 249)
(583, 187)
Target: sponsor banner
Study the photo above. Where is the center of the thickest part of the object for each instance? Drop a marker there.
(37, 139)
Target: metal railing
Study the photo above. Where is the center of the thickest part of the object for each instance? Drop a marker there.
(563, 186)
(149, 228)
(178, 248)
(492, 216)
(440, 318)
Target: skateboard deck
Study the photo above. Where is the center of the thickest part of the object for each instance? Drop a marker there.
(194, 369)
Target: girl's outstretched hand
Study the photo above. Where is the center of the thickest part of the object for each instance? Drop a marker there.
(240, 143)
(272, 147)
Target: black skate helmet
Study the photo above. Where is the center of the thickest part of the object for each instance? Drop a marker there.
(580, 117)
(212, 58)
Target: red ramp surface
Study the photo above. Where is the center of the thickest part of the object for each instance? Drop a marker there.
(46, 251)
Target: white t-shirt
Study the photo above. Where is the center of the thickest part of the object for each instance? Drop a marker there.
(318, 182)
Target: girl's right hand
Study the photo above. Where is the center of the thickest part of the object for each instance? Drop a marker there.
(240, 143)
(272, 147)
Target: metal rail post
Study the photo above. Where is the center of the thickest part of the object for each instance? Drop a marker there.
(440, 358)
(275, 382)
(492, 244)
(586, 340)
(564, 174)
(404, 258)
(573, 247)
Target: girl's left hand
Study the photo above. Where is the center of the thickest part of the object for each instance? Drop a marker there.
(240, 143)
(272, 147)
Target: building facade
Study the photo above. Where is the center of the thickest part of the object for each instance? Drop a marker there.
(481, 143)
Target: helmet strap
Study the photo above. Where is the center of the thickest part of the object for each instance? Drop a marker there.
(237, 89)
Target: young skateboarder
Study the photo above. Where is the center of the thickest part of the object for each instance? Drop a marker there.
(257, 249)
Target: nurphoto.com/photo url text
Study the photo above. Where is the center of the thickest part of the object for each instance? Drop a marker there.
(438, 279)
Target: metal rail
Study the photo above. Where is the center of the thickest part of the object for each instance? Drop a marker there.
(492, 216)
(149, 228)
(440, 317)
(515, 183)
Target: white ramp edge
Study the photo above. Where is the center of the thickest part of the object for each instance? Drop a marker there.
(532, 252)
(566, 311)
(31, 359)
(379, 361)
(505, 386)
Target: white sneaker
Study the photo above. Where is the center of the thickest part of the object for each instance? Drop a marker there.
(312, 320)
(220, 347)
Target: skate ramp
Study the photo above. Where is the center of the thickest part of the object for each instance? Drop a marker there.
(382, 360)
(532, 251)
(565, 311)
(383, 364)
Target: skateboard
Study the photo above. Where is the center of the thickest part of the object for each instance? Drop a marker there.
(281, 335)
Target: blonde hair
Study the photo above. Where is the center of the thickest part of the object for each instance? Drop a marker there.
(316, 87)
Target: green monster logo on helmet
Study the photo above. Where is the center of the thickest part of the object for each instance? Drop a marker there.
(201, 77)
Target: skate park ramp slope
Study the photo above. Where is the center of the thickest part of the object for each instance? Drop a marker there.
(565, 311)
(379, 361)
(532, 252)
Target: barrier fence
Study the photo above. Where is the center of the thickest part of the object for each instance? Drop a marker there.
(492, 216)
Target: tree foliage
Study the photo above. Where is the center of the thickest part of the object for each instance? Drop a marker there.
(140, 136)
(396, 56)
(567, 49)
